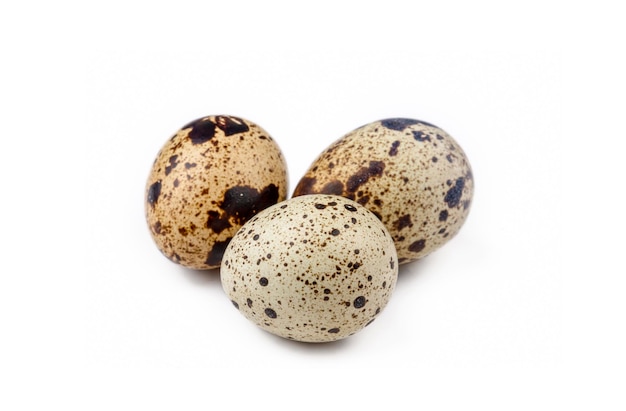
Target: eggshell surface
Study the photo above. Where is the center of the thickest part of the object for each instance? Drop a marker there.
(315, 268)
(411, 174)
(211, 177)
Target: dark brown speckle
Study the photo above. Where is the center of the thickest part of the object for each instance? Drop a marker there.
(154, 192)
(361, 177)
(417, 246)
(394, 148)
(270, 313)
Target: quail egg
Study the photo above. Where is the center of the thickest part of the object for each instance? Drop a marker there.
(211, 177)
(411, 174)
(315, 268)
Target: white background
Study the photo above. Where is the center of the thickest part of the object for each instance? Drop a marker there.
(94, 316)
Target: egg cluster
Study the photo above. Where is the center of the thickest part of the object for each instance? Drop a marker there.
(323, 264)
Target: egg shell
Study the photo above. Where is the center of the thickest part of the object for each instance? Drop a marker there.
(314, 268)
(411, 174)
(211, 177)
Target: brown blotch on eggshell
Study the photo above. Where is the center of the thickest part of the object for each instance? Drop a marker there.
(211, 177)
(411, 174)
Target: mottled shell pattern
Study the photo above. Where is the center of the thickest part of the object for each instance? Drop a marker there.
(411, 174)
(314, 268)
(211, 177)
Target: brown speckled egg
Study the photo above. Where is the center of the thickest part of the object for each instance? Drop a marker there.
(314, 268)
(210, 178)
(411, 174)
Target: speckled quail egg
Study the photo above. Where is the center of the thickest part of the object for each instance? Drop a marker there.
(411, 174)
(315, 268)
(211, 177)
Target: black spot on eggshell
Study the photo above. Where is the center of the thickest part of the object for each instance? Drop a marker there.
(350, 207)
(243, 202)
(154, 192)
(398, 124)
(420, 136)
(453, 196)
(359, 302)
(443, 215)
(394, 148)
(263, 281)
(417, 246)
(270, 313)
(333, 330)
(216, 222)
(217, 252)
(404, 221)
(202, 131)
(359, 178)
(363, 200)
(235, 304)
(231, 125)
(172, 165)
